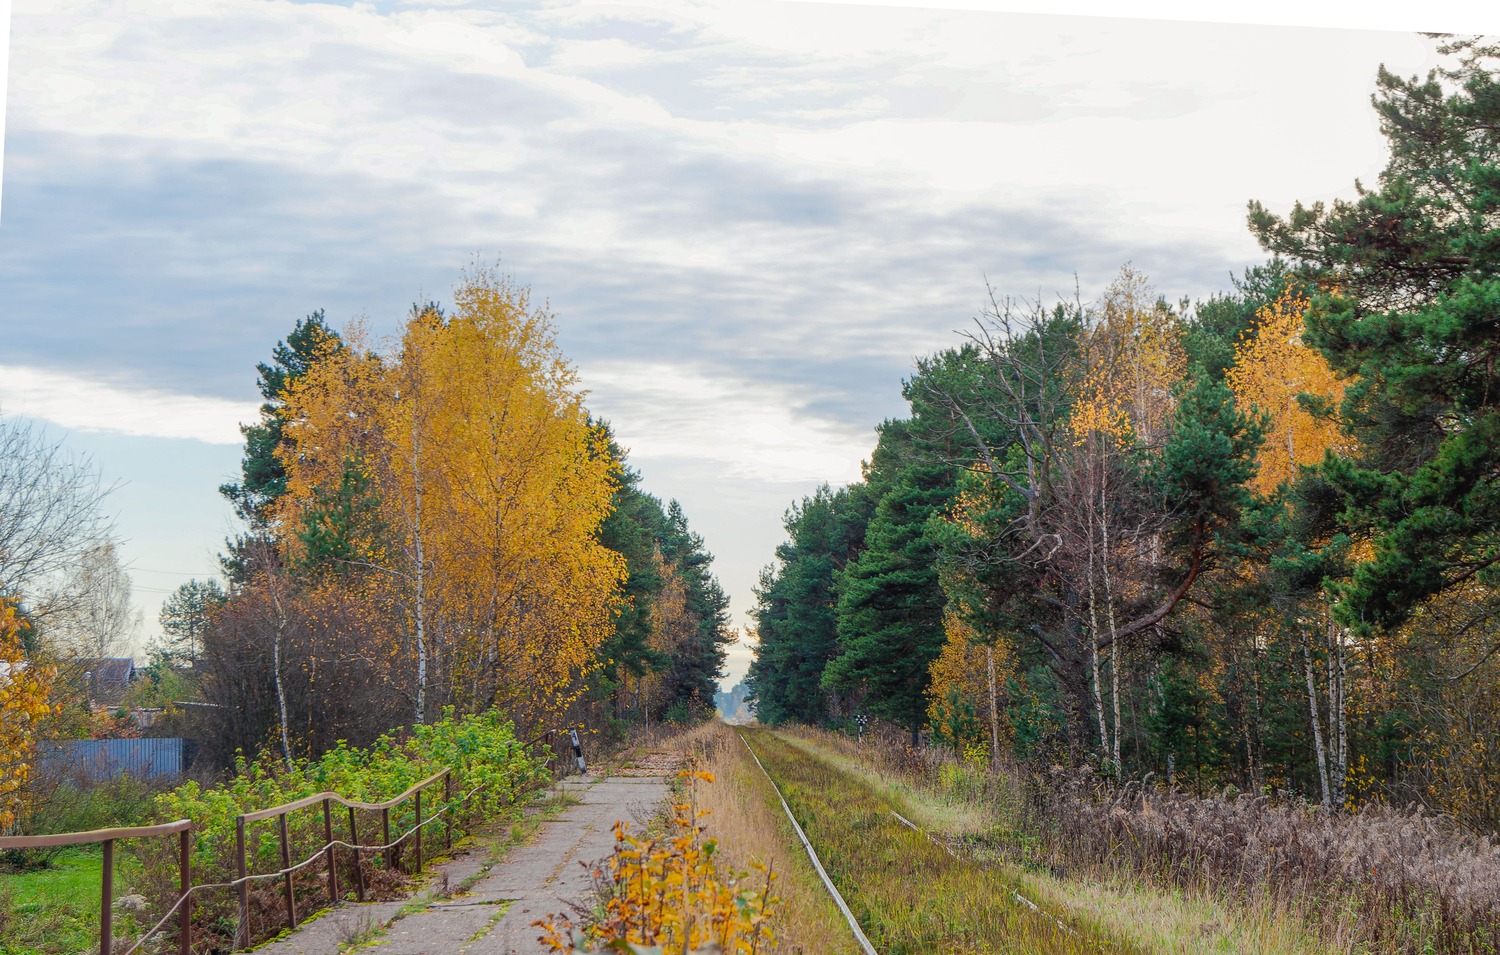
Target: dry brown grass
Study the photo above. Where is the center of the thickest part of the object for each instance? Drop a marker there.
(1387, 880)
(976, 812)
(1257, 874)
(747, 821)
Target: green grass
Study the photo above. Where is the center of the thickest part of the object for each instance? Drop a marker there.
(73, 879)
(52, 910)
(910, 895)
(55, 911)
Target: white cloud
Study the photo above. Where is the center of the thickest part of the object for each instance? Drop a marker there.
(742, 428)
(918, 109)
(85, 405)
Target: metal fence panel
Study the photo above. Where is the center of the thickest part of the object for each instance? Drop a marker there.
(103, 759)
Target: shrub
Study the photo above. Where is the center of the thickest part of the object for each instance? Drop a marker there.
(490, 766)
(61, 804)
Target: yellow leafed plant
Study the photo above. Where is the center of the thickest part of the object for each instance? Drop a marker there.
(666, 897)
(488, 485)
(23, 701)
(1273, 367)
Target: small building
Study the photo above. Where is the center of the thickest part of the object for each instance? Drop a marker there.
(107, 680)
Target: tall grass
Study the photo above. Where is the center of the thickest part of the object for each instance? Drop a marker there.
(910, 894)
(1380, 880)
(1398, 881)
(748, 823)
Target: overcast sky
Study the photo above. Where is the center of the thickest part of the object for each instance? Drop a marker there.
(749, 217)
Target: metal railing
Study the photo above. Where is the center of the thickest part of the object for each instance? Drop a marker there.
(326, 851)
(182, 828)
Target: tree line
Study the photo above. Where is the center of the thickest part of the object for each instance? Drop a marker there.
(1249, 540)
(437, 521)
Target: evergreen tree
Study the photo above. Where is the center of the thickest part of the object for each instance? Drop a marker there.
(693, 673)
(797, 605)
(1410, 279)
(634, 529)
(890, 604)
(186, 616)
(262, 476)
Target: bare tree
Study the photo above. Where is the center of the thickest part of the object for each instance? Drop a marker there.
(90, 614)
(50, 513)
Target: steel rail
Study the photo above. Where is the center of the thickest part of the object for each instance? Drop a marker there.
(949, 849)
(859, 933)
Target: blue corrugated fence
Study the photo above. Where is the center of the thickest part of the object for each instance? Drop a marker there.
(102, 759)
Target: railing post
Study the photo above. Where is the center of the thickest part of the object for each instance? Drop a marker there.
(359, 871)
(448, 802)
(385, 828)
(333, 877)
(242, 932)
(418, 832)
(286, 863)
(185, 883)
(106, 900)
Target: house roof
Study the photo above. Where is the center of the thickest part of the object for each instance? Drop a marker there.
(111, 670)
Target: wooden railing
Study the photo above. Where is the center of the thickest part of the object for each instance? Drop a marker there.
(183, 828)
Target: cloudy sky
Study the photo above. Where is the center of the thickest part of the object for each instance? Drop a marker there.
(748, 216)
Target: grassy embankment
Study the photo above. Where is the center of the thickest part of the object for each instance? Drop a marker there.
(747, 821)
(966, 812)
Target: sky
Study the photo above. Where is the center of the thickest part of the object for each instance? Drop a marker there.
(749, 217)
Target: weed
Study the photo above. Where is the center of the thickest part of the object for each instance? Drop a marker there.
(876, 862)
(668, 892)
(355, 930)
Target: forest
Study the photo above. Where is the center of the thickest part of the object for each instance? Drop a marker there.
(1248, 541)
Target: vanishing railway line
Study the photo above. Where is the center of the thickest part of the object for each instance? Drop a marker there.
(907, 891)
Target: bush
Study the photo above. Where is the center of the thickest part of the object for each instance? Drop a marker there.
(490, 766)
(78, 805)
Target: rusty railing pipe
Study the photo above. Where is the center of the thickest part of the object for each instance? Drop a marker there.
(106, 901)
(286, 865)
(184, 886)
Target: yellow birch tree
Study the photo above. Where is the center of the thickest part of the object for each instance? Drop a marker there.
(490, 484)
(1272, 367)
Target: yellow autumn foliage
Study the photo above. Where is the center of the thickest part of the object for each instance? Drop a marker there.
(1272, 367)
(491, 485)
(669, 894)
(1133, 357)
(23, 702)
(959, 696)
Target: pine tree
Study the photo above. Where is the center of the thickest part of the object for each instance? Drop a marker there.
(1410, 280)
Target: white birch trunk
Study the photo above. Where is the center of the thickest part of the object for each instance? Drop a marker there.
(278, 630)
(1337, 713)
(420, 579)
(1094, 648)
(989, 654)
(1320, 751)
(1114, 639)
